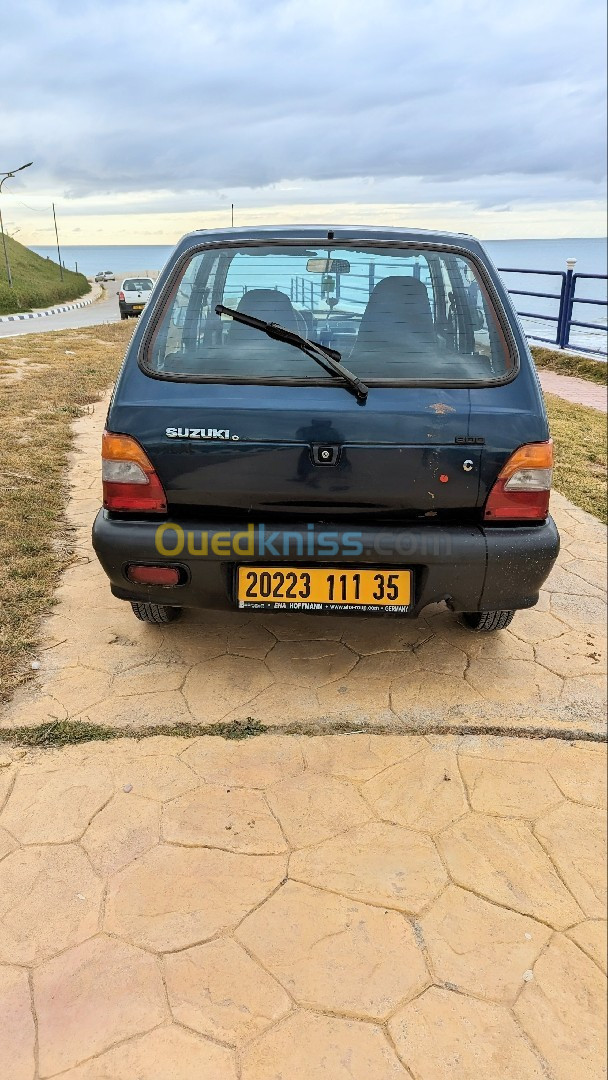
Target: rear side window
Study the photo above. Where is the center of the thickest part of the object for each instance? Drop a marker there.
(395, 315)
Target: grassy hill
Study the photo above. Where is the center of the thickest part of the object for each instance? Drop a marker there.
(36, 281)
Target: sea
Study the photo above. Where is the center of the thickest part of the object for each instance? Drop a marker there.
(508, 255)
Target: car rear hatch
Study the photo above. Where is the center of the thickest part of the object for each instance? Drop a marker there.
(135, 296)
(314, 451)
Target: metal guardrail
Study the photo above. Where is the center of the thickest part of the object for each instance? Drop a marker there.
(567, 299)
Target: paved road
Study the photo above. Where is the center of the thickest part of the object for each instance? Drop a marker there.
(103, 311)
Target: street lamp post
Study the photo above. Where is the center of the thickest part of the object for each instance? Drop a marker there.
(5, 176)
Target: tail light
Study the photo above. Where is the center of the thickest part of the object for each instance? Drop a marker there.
(129, 480)
(523, 485)
(121, 295)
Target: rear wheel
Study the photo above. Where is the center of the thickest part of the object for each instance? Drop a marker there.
(155, 613)
(487, 621)
(123, 316)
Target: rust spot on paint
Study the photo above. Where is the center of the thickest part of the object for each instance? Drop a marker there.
(441, 408)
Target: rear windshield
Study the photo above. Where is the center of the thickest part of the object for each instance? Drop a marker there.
(137, 285)
(396, 314)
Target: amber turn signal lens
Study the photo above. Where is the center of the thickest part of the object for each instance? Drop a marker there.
(124, 448)
(532, 456)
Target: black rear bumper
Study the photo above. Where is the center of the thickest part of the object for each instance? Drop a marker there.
(472, 568)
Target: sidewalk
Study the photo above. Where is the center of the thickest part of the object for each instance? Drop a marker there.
(577, 391)
(289, 908)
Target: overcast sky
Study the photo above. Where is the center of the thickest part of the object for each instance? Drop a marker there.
(145, 119)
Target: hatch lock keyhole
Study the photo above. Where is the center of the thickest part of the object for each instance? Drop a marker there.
(325, 455)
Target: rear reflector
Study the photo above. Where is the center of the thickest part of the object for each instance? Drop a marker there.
(153, 575)
(129, 480)
(523, 486)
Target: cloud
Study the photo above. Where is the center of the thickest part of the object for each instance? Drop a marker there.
(170, 106)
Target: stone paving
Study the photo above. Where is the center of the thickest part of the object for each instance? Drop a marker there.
(578, 391)
(99, 664)
(346, 907)
(412, 905)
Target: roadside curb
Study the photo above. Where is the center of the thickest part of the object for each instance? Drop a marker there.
(21, 316)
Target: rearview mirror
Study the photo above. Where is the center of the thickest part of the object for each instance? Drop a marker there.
(328, 266)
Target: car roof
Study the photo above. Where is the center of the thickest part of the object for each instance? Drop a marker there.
(344, 233)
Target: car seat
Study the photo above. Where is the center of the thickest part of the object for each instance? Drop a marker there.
(397, 323)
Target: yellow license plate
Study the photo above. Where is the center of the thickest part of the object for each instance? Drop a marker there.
(138, 307)
(324, 589)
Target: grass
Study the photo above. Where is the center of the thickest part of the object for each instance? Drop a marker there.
(70, 732)
(36, 281)
(579, 435)
(582, 367)
(64, 732)
(46, 381)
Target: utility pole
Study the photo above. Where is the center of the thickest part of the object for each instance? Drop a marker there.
(232, 215)
(5, 176)
(8, 265)
(57, 238)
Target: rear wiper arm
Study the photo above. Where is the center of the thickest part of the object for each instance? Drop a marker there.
(326, 357)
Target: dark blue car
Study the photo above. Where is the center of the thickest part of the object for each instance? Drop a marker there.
(327, 420)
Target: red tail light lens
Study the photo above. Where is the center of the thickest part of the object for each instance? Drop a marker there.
(121, 296)
(153, 575)
(129, 480)
(523, 486)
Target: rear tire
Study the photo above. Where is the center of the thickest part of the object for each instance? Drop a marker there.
(487, 621)
(123, 317)
(158, 614)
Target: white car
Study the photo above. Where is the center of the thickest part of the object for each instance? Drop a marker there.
(133, 296)
(105, 275)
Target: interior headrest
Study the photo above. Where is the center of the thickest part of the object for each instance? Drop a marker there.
(268, 304)
(399, 313)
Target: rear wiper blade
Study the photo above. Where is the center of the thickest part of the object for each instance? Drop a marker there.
(326, 357)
